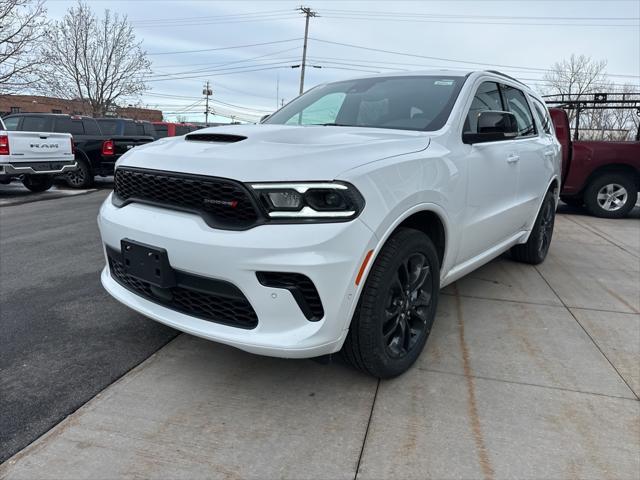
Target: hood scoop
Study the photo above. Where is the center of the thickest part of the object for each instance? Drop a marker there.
(214, 137)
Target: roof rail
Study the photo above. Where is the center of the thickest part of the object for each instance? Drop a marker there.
(496, 72)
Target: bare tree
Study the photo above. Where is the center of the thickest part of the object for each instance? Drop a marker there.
(97, 61)
(22, 25)
(580, 75)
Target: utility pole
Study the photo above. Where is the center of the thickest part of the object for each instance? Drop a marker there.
(207, 92)
(307, 14)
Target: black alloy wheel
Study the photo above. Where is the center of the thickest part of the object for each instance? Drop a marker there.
(535, 250)
(397, 306)
(408, 301)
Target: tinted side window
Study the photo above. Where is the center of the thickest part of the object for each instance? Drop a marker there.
(130, 129)
(181, 130)
(518, 105)
(76, 127)
(161, 131)
(91, 127)
(108, 127)
(66, 125)
(139, 129)
(11, 123)
(36, 124)
(543, 115)
(486, 98)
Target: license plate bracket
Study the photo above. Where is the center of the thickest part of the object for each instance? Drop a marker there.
(147, 263)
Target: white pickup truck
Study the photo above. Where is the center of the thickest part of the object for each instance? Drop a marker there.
(34, 157)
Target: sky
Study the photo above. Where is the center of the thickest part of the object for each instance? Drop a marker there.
(189, 43)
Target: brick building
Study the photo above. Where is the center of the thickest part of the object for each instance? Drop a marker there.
(38, 104)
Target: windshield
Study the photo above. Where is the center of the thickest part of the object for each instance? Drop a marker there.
(405, 103)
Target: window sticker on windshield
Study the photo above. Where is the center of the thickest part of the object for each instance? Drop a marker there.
(443, 82)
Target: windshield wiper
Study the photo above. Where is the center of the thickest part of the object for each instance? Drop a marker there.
(333, 124)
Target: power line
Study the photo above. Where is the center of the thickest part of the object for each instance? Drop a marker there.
(225, 48)
(233, 15)
(189, 24)
(447, 59)
(474, 16)
(510, 23)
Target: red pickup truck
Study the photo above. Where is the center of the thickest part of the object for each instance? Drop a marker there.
(602, 175)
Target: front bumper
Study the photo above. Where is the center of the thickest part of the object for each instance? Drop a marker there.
(37, 168)
(329, 254)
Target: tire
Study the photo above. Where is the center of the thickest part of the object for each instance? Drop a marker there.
(537, 246)
(389, 329)
(38, 183)
(82, 177)
(611, 195)
(573, 201)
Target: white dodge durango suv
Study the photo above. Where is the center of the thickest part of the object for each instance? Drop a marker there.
(333, 224)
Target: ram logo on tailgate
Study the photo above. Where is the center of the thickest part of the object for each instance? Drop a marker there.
(45, 146)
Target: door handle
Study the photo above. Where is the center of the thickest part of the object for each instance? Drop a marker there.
(513, 158)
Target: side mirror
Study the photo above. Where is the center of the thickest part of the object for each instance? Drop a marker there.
(263, 118)
(493, 126)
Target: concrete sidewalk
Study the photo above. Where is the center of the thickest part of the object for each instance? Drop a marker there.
(530, 372)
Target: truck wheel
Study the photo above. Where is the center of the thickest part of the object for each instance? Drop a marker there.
(82, 177)
(37, 183)
(611, 195)
(397, 306)
(537, 247)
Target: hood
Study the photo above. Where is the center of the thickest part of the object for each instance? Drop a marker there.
(252, 153)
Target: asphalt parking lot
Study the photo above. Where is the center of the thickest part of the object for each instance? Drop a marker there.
(530, 372)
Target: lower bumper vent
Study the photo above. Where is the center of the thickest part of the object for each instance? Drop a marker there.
(301, 287)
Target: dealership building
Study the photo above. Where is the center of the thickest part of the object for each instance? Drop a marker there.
(40, 104)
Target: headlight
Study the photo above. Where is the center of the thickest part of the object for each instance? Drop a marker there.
(322, 201)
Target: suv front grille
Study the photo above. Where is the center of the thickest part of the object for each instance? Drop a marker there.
(222, 203)
(231, 308)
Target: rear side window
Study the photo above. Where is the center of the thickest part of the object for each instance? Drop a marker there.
(36, 124)
(181, 130)
(149, 130)
(130, 129)
(90, 127)
(108, 127)
(543, 115)
(487, 98)
(139, 129)
(161, 131)
(517, 104)
(66, 125)
(11, 123)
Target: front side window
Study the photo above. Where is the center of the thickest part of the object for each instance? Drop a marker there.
(517, 104)
(403, 102)
(487, 98)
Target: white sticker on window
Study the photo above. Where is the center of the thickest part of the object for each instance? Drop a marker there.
(443, 82)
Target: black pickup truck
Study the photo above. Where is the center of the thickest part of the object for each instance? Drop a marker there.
(96, 151)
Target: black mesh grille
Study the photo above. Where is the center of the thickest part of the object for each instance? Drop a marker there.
(221, 203)
(300, 286)
(236, 312)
